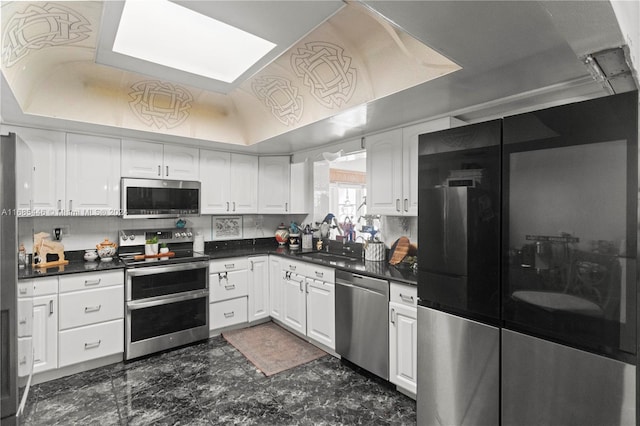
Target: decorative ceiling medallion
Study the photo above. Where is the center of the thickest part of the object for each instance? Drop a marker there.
(42, 26)
(281, 97)
(327, 72)
(160, 104)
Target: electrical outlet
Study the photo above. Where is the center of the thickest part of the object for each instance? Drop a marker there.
(60, 232)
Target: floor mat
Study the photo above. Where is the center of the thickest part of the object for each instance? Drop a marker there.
(271, 348)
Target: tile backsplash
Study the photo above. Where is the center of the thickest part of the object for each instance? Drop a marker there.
(86, 232)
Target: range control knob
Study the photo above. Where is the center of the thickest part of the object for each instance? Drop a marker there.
(124, 237)
(132, 237)
(189, 234)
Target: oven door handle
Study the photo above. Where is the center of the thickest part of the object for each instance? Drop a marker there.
(196, 294)
(152, 270)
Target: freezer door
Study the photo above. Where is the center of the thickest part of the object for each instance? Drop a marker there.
(544, 383)
(458, 370)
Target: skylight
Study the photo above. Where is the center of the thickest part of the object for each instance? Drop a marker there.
(171, 35)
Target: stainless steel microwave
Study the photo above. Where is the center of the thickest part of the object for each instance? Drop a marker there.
(157, 198)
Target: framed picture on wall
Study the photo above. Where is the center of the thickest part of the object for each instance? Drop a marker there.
(227, 227)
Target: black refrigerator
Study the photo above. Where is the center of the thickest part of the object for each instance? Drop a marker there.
(8, 281)
(528, 268)
(459, 275)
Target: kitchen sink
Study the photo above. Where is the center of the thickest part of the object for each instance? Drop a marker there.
(333, 258)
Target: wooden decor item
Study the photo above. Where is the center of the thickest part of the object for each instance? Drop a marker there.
(399, 250)
(42, 247)
(153, 256)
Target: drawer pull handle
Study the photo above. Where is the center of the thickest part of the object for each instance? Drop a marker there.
(92, 345)
(230, 287)
(229, 265)
(23, 290)
(319, 274)
(229, 314)
(408, 299)
(23, 321)
(88, 309)
(92, 282)
(23, 361)
(292, 267)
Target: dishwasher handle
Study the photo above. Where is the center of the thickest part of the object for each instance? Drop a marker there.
(355, 286)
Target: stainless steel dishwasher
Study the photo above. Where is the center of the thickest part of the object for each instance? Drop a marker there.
(362, 321)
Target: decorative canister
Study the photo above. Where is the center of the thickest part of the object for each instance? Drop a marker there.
(294, 241)
(307, 238)
(374, 251)
(282, 235)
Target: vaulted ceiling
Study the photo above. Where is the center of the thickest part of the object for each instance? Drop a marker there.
(341, 69)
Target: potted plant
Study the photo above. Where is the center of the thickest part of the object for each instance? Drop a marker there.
(164, 248)
(151, 246)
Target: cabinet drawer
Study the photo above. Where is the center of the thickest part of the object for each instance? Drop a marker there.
(294, 266)
(25, 356)
(228, 285)
(403, 294)
(229, 312)
(44, 286)
(90, 342)
(25, 288)
(91, 306)
(225, 265)
(322, 274)
(25, 317)
(86, 281)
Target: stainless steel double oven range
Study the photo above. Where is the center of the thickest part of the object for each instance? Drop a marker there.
(167, 298)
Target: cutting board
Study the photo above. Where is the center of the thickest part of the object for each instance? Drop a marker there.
(153, 256)
(399, 250)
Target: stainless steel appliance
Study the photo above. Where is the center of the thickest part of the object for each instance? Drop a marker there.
(9, 277)
(459, 276)
(167, 298)
(528, 279)
(157, 198)
(362, 326)
(569, 279)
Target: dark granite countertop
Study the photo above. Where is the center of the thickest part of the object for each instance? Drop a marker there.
(401, 273)
(243, 248)
(75, 266)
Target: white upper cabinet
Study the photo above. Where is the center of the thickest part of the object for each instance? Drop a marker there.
(392, 168)
(158, 161)
(40, 161)
(93, 175)
(301, 196)
(181, 163)
(229, 182)
(273, 184)
(142, 159)
(384, 173)
(244, 183)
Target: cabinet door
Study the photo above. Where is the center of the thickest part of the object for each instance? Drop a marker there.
(301, 184)
(384, 173)
(46, 157)
(403, 340)
(410, 140)
(141, 159)
(294, 303)
(275, 287)
(181, 163)
(258, 288)
(24, 178)
(45, 333)
(93, 175)
(244, 183)
(215, 173)
(273, 184)
(321, 312)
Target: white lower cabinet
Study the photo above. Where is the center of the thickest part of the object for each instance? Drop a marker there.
(308, 301)
(228, 290)
(90, 342)
(321, 312)
(258, 307)
(227, 313)
(45, 332)
(403, 336)
(275, 287)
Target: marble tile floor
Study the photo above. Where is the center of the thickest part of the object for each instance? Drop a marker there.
(211, 383)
